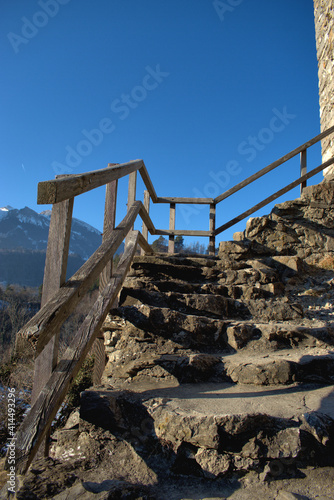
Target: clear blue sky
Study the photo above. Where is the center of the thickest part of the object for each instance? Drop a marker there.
(205, 94)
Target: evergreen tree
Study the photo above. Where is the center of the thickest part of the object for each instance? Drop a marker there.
(160, 245)
(179, 243)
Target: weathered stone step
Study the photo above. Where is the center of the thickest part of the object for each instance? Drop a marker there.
(203, 304)
(244, 352)
(203, 430)
(177, 260)
(247, 276)
(241, 292)
(189, 269)
(141, 307)
(281, 367)
(250, 271)
(187, 329)
(177, 286)
(267, 337)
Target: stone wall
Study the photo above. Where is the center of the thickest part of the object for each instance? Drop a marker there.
(324, 32)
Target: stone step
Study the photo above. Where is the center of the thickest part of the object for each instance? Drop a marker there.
(189, 330)
(250, 271)
(176, 259)
(284, 368)
(190, 269)
(244, 352)
(178, 286)
(240, 291)
(203, 430)
(247, 302)
(268, 337)
(204, 304)
(281, 367)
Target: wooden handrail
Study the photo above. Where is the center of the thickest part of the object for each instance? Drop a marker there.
(144, 227)
(67, 187)
(148, 183)
(182, 232)
(273, 197)
(144, 245)
(34, 427)
(273, 165)
(185, 201)
(147, 220)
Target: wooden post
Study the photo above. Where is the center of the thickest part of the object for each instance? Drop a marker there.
(105, 277)
(147, 208)
(171, 242)
(54, 278)
(131, 195)
(303, 168)
(212, 242)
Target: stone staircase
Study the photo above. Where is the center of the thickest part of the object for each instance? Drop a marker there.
(217, 367)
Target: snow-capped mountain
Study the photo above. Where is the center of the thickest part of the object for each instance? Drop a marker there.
(23, 241)
(29, 230)
(4, 211)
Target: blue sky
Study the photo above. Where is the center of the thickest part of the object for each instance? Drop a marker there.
(205, 92)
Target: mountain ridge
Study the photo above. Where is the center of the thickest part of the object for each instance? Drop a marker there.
(23, 242)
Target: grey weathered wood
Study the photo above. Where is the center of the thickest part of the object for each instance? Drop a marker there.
(274, 196)
(62, 189)
(148, 183)
(194, 201)
(98, 349)
(45, 323)
(171, 241)
(100, 358)
(132, 189)
(147, 249)
(147, 219)
(212, 225)
(273, 165)
(303, 168)
(147, 208)
(182, 232)
(54, 278)
(108, 226)
(34, 427)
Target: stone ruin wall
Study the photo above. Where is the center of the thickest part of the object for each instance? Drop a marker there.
(324, 32)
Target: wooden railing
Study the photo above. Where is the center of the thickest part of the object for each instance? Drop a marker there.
(52, 377)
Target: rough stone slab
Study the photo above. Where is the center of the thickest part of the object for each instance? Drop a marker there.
(295, 264)
(213, 464)
(281, 367)
(197, 330)
(173, 425)
(237, 399)
(236, 248)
